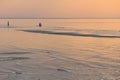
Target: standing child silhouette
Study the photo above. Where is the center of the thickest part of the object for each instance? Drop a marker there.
(8, 24)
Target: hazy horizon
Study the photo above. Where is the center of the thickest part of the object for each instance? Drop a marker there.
(58, 18)
(60, 9)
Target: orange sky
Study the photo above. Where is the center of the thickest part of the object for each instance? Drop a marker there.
(60, 8)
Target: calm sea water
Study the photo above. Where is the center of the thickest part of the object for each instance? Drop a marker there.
(100, 56)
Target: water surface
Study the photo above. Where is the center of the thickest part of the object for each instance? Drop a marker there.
(37, 56)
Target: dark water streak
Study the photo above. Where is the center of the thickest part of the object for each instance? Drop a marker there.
(70, 34)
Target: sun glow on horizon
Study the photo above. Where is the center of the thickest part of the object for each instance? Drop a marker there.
(60, 8)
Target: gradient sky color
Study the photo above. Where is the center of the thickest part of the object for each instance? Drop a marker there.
(60, 8)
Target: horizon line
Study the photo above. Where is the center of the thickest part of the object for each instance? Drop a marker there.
(59, 18)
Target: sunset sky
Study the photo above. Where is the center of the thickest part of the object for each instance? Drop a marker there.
(59, 8)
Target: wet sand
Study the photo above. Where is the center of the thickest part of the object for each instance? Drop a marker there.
(51, 66)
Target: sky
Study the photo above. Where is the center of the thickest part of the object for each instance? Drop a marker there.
(60, 8)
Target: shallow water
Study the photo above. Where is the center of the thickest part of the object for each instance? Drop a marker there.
(36, 56)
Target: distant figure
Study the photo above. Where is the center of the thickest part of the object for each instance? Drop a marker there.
(40, 24)
(8, 24)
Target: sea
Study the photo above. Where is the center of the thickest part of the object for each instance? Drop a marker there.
(61, 49)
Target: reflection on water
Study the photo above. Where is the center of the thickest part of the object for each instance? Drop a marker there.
(35, 56)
